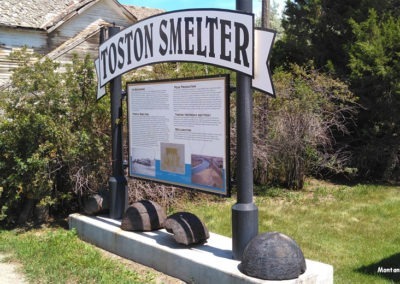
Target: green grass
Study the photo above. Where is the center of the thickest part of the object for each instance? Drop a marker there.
(355, 229)
(58, 256)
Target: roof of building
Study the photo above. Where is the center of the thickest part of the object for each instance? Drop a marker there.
(45, 14)
(143, 12)
(35, 13)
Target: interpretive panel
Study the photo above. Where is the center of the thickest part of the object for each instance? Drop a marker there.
(178, 132)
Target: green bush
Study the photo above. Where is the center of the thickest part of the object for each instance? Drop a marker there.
(54, 137)
(309, 111)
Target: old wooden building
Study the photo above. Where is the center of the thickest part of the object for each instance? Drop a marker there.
(58, 28)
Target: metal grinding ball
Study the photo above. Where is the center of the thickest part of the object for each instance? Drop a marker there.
(273, 256)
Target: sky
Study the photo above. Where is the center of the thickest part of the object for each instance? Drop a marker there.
(171, 5)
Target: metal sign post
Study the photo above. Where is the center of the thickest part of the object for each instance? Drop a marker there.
(244, 212)
(117, 182)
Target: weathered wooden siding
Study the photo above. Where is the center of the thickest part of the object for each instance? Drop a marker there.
(5, 64)
(102, 10)
(105, 10)
(82, 50)
(54, 40)
(12, 39)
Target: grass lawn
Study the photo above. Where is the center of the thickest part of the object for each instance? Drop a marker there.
(58, 256)
(355, 229)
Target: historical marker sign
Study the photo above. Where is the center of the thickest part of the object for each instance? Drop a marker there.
(179, 132)
(219, 37)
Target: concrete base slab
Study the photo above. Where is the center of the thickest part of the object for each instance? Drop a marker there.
(206, 263)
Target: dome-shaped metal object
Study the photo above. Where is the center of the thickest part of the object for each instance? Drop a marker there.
(273, 256)
(187, 228)
(144, 215)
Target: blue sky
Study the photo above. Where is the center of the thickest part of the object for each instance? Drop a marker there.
(170, 5)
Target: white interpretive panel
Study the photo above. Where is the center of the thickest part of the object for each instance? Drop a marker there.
(178, 132)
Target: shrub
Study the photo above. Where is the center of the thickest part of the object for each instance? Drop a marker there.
(54, 137)
(309, 111)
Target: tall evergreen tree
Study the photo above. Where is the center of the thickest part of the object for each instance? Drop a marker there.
(320, 31)
(342, 37)
(375, 73)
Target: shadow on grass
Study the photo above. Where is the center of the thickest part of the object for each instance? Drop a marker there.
(55, 223)
(388, 268)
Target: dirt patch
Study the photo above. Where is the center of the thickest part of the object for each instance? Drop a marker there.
(10, 271)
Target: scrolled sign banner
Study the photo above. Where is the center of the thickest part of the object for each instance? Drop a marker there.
(223, 38)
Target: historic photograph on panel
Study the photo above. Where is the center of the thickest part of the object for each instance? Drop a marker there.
(207, 171)
(143, 161)
(173, 158)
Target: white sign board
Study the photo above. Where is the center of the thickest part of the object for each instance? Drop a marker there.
(219, 37)
(179, 133)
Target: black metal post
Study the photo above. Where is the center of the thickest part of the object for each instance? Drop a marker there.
(117, 182)
(244, 212)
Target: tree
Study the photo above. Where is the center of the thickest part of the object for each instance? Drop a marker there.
(320, 31)
(265, 13)
(375, 73)
(270, 17)
(340, 38)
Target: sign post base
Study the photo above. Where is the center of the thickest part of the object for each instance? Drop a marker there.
(244, 227)
(119, 196)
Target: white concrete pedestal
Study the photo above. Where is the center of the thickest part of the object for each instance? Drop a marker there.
(206, 263)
